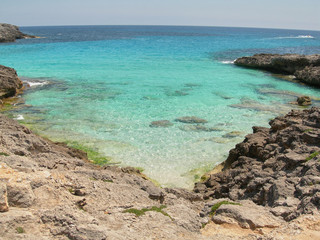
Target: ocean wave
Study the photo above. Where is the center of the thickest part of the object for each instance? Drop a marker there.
(19, 117)
(295, 37)
(228, 62)
(34, 83)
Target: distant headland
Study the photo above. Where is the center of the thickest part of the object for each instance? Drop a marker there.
(9, 33)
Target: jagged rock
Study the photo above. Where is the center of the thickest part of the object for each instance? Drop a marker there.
(9, 33)
(190, 119)
(189, 220)
(304, 67)
(274, 167)
(304, 101)
(183, 193)
(20, 194)
(246, 215)
(309, 75)
(9, 82)
(161, 123)
(4, 207)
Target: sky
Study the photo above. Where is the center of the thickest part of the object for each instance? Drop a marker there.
(288, 14)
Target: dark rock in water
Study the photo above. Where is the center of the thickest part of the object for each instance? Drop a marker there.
(177, 94)
(287, 63)
(9, 82)
(309, 75)
(232, 134)
(9, 33)
(277, 167)
(161, 123)
(304, 101)
(304, 67)
(191, 119)
(198, 128)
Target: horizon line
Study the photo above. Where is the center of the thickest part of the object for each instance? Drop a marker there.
(165, 25)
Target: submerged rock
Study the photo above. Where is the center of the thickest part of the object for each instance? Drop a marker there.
(161, 123)
(9, 33)
(304, 101)
(198, 128)
(190, 119)
(232, 134)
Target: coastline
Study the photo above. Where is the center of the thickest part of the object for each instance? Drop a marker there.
(268, 187)
(45, 180)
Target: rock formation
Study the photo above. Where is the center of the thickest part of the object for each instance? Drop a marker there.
(269, 188)
(9, 33)
(304, 67)
(278, 167)
(9, 82)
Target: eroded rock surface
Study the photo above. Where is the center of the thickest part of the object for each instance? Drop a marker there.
(277, 167)
(304, 67)
(50, 191)
(9, 82)
(9, 33)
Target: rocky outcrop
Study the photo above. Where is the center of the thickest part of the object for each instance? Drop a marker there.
(304, 67)
(9, 33)
(48, 191)
(309, 75)
(9, 82)
(277, 167)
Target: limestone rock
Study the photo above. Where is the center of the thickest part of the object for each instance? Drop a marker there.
(304, 67)
(274, 167)
(246, 215)
(309, 75)
(4, 207)
(20, 194)
(304, 101)
(9, 33)
(9, 82)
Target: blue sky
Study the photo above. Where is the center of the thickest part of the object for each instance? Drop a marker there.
(293, 14)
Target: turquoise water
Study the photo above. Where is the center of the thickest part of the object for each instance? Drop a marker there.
(104, 85)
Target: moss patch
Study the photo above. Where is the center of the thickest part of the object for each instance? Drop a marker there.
(312, 155)
(4, 154)
(93, 155)
(20, 230)
(141, 212)
(215, 207)
(6, 107)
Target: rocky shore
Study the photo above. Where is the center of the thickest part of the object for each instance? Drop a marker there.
(10, 84)
(305, 68)
(9, 33)
(269, 188)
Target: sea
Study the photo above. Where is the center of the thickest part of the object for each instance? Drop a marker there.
(103, 86)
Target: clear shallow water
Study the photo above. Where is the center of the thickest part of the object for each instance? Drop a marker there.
(106, 84)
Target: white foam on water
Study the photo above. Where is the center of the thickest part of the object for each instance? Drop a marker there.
(228, 62)
(19, 117)
(35, 84)
(296, 37)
